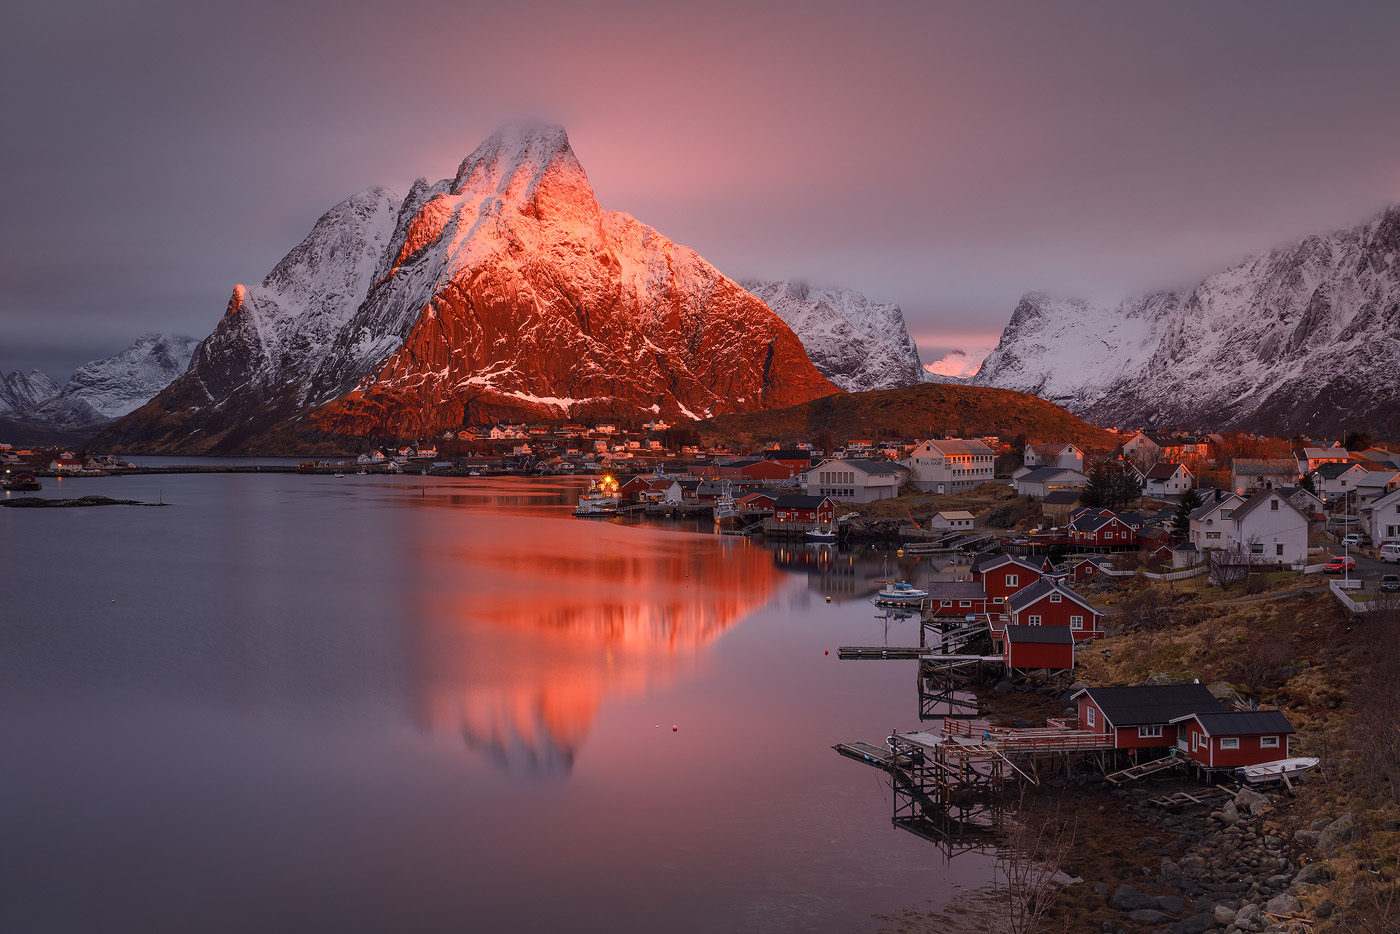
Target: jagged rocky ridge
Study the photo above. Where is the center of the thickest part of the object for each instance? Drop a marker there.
(1305, 338)
(503, 292)
(97, 392)
(856, 343)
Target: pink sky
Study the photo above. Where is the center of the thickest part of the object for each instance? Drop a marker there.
(948, 157)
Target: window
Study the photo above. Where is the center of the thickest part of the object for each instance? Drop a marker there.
(1089, 716)
(1054, 598)
(1150, 732)
(1011, 580)
(1273, 503)
(1076, 622)
(1212, 535)
(1278, 550)
(1268, 742)
(1230, 742)
(1033, 621)
(964, 603)
(1197, 741)
(947, 602)
(1226, 513)
(1256, 548)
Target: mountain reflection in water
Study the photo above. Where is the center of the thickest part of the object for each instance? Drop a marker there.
(528, 624)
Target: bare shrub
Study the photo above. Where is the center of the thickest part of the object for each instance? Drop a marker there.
(1125, 561)
(1263, 657)
(1023, 880)
(1146, 608)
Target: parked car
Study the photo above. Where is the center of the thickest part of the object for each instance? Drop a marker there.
(1390, 552)
(1337, 565)
(1390, 582)
(1353, 540)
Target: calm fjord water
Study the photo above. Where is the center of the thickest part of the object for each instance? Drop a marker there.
(292, 703)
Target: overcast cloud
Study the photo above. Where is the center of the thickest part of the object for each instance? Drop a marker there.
(947, 157)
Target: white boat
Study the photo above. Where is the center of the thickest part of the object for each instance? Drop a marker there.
(1273, 771)
(898, 592)
(821, 535)
(601, 499)
(726, 510)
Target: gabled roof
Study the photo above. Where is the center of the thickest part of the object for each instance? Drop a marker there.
(1040, 590)
(1257, 500)
(1047, 635)
(955, 514)
(1142, 704)
(1202, 511)
(1053, 449)
(1061, 498)
(788, 454)
(957, 590)
(876, 468)
(1163, 470)
(958, 447)
(1334, 470)
(984, 563)
(1241, 723)
(1092, 521)
(1041, 474)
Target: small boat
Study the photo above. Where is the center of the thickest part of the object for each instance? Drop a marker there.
(726, 510)
(339, 474)
(362, 473)
(474, 473)
(821, 535)
(1274, 771)
(899, 592)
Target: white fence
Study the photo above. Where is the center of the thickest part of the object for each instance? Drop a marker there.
(1355, 606)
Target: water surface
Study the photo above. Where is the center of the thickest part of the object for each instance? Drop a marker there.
(297, 703)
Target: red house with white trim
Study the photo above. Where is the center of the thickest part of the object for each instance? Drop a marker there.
(1003, 575)
(1228, 740)
(958, 598)
(1100, 528)
(798, 508)
(1048, 602)
(1142, 716)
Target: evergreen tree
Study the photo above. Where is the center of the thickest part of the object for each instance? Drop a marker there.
(1308, 484)
(1181, 522)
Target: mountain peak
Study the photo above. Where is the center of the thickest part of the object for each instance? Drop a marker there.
(514, 161)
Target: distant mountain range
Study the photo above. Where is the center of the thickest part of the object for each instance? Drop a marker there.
(1305, 338)
(502, 292)
(33, 407)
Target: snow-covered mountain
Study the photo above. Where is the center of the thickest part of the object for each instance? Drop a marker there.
(20, 392)
(1305, 338)
(98, 391)
(854, 342)
(502, 292)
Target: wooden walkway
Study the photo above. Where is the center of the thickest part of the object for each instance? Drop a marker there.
(1134, 772)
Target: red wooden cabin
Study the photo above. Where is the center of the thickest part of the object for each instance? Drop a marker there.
(1048, 602)
(1142, 716)
(957, 598)
(1025, 647)
(1003, 575)
(1227, 740)
(1100, 528)
(798, 508)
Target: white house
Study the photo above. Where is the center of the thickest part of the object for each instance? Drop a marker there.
(1247, 474)
(1313, 458)
(1167, 479)
(1334, 480)
(1265, 525)
(1041, 481)
(853, 480)
(951, 521)
(949, 465)
(1054, 455)
(1376, 484)
(1385, 518)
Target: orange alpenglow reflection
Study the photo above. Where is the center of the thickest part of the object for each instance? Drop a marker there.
(548, 617)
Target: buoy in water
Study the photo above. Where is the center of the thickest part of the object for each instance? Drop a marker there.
(899, 553)
(674, 728)
(826, 651)
(828, 599)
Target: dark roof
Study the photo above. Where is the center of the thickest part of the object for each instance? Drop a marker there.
(1332, 471)
(873, 467)
(1162, 470)
(1051, 635)
(1242, 723)
(1258, 499)
(1041, 474)
(788, 454)
(1141, 704)
(957, 590)
(983, 563)
(1062, 497)
(1041, 588)
(798, 501)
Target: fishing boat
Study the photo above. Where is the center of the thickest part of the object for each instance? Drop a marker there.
(726, 509)
(899, 592)
(820, 534)
(1274, 771)
(600, 500)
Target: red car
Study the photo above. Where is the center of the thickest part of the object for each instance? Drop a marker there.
(1338, 565)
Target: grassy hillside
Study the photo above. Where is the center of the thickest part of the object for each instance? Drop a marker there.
(913, 411)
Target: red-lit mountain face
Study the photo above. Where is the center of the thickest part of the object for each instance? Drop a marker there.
(505, 292)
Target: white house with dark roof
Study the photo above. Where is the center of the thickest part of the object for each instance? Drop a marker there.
(854, 480)
(1166, 479)
(1266, 526)
(1054, 455)
(1248, 474)
(949, 465)
(952, 520)
(1041, 481)
(1335, 480)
